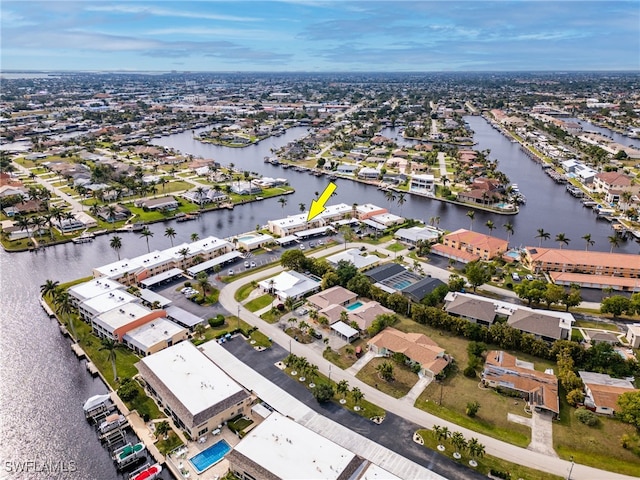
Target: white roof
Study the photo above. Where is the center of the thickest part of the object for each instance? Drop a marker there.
(344, 329)
(282, 447)
(286, 239)
(153, 259)
(255, 240)
(151, 296)
(312, 231)
(195, 380)
(121, 316)
(152, 333)
(183, 317)
(161, 277)
(93, 288)
(354, 256)
(368, 208)
(424, 176)
(375, 472)
(108, 301)
(417, 233)
(290, 284)
(387, 218)
(201, 267)
(201, 246)
(118, 268)
(300, 219)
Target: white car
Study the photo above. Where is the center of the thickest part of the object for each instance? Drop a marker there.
(230, 273)
(246, 264)
(320, 242)
(301, 247)
(529, 277)
(253, 264)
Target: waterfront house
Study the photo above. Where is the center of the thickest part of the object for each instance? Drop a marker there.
(209, 195)
(466, 245)
(416, 347)
(290, 284)
(505, 372)
(298, 223)
(368, 173)
(412, 235)
(422, 184)
(245, 188)
(602, 391)
(197, 394)
(604, 182)
(167, 203)
(346, 169)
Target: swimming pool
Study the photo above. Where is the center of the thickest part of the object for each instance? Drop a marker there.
(246, 237)
(353, 306)
(209, 457)
(402, 284)
(513, 254)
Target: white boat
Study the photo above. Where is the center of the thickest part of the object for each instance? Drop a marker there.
(95, 402)
(84, 238)
(112, 422)
(129, 454)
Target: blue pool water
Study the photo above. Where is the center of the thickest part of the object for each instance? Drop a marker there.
(246, 237)
(402, 284)
(353, 306)
(512, 254)
(209, 457)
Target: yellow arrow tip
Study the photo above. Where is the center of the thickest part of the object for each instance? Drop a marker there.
(316, 209)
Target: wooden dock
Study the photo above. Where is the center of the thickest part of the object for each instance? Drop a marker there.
(77, 349)
(46, 308)
(91, 368)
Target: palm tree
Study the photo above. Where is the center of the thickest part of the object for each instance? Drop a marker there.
(490, 226)
(203, 280)
(442, 433)
(614, 241)
(562, 239)
(64, 307)
(587, 238)
(200, 193)
(170, 233)
(111, 346)
(185, 253)
(357, 395)
(50, 288)
(146, 233)
(283, 202)
(342, 388)
(389, 196)
(195, 237)
(458, 441)
(542, 235)
(199, 330)
(471, 214)
(116, 244)
(476, 449)
(385, 370)
(24, 224)
(509, 228)
(302, 207)
(401, 200)
(111, 214)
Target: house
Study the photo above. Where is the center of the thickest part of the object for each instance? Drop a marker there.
(384, 272)
(368, 173)
(602, 391)
(160, 203)
(353, 255)
(472, 308)
(412, 235)
(505, 372)
(208, 195)
(466, 245)
(365, 314)
(422, 185)
(604, 182)
(347, 169)
(197, 394)
(416, 347)
(245, 188)
(332, 296)
(290, 284)
(543, 326)
(416, 292)
(633, 335)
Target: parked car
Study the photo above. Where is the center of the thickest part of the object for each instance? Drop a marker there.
(253, 264)
(246, 264)
(301, 246)
(320, 242)
(311, 244)
(316, 335)
(529, 277)
(230, 272)
(515, 276)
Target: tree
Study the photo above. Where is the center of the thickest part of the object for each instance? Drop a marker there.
(491, 226)
(347, 234)
(472, 408)
(553, 294)
(50, 288)
(116, 244)
(456, 283)
(458, 441)
(542, 235)
(342, 388)
(293, 259)
(64, 306)
(146, 233)
(199, 330)
(476, 449)
(471, 214)
(477, 274)
(111, 346)
(616, 305)
(302, 207)
(357, 395)
(509, 229)
(614, 241)
(170, 233)
(587, 238)
(385, 370)
(323, 392)
(162, 428)
(401, 201)
(203, 281)
(283, 202)
(195, 237)
(629, 411)
(184, 252)
(345, 271)
(562, 239)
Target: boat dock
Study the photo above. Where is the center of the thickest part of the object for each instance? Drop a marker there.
(77, 349)
(92, 369)
(46, 308)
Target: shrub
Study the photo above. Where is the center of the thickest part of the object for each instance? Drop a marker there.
(469, 372)
(575, 397)
(472, 408)
(587, 417)
(323, 392)
(216, 322)
(128, 390)
(500, 474)
(187, 284)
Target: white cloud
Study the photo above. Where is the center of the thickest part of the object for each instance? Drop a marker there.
(165, 12)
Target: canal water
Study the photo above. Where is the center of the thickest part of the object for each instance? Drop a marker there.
(44, 385)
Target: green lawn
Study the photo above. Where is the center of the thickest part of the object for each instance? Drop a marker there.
(272, 316)
(396, 247)
(172, 442)
(595, 324)
(341, 358)
(403, 380)
(244, 291)
(259, 303)
(597, 446)
(487, 462)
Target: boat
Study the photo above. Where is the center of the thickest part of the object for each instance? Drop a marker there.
(147, 472)
(187, 217)
(112, 422)
(97, 404)
(137, 227)
(128, 454)
(84, 238)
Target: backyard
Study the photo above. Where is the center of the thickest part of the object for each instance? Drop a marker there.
(399, 386)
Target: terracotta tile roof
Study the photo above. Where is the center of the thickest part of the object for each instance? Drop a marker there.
(584, 278)
(367, 313)
(417, 347)
(583, 257)
(614, 178)
(477, 240)
(505, 370)
(606, 395)
(447, 251)
(332, 296)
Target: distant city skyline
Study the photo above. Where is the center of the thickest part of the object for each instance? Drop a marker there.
(320, 36)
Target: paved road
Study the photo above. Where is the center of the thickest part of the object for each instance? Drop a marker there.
(493, 446)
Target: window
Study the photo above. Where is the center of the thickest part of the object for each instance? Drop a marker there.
(203, 431)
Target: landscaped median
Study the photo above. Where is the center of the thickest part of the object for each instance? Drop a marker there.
(449, 443)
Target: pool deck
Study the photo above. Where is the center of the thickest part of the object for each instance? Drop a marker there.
(183, 468)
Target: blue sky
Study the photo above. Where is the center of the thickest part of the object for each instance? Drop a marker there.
(312, 35)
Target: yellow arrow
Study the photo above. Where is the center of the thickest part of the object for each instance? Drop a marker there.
(317, 206)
